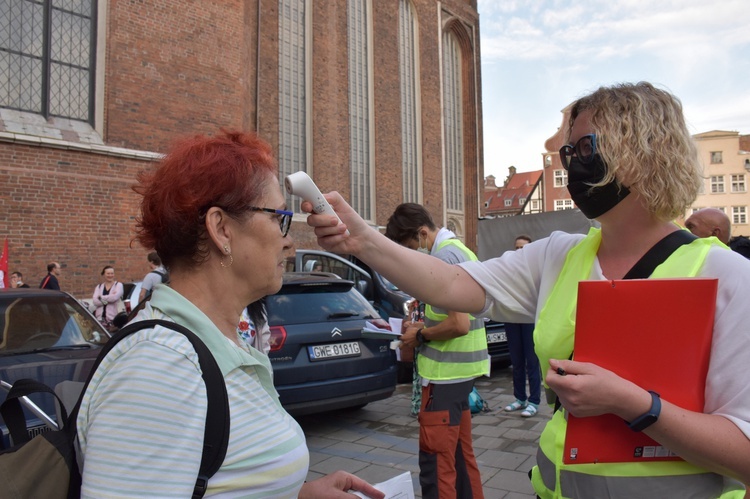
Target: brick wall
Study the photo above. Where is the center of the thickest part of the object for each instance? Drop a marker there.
(192, 66)
(75, 208)
(176, 68)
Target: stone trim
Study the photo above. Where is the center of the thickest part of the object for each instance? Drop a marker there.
(121, 152)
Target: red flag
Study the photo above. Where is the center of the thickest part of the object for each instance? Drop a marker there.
(4, 265)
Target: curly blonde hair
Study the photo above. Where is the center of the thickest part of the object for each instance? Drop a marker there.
(644, 141)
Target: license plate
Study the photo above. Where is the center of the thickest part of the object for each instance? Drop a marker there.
(334, 350)
(496, 337)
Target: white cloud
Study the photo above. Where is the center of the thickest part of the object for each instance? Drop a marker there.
(539, 55)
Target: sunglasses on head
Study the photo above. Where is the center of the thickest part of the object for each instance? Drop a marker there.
(584, 150)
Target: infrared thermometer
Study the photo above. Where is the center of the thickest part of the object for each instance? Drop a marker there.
(300, 184)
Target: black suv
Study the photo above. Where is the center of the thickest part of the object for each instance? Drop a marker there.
(320, 360)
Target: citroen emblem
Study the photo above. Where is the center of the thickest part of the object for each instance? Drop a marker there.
(336, 332)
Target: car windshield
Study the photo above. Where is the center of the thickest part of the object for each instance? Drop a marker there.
(317, 303)
(34, 323)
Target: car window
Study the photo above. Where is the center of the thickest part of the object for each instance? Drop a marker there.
(317, 303)
(39, 322)
(322, 263)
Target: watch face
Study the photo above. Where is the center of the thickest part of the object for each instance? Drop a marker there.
(643, 422)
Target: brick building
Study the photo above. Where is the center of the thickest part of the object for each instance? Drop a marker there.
(378, 99)
(520, 194)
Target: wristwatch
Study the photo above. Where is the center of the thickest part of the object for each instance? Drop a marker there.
(652, 416)
(420, 337)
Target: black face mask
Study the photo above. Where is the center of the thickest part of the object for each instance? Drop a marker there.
(593, 201)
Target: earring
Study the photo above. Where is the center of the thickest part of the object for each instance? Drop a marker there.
(231, 261)
(226, 249)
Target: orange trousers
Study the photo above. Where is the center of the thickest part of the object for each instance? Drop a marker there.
(447, 466)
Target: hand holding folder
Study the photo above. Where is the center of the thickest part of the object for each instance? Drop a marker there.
(654, 332)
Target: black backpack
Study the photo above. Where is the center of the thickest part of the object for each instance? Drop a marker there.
(164, 276)
(46, 465)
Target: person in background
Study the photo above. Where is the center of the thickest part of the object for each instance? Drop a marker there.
(50, 280)
(106, 297)
(157, 275)
(741, 245)
(708, 222)
(253, 328)
(143, 416)
(525, 362)
(451, 351)
(16, 280)
(632, 166)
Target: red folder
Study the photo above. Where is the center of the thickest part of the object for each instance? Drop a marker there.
(653, 332)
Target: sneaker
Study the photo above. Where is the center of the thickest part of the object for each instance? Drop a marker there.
(530, 410)
(515, 406)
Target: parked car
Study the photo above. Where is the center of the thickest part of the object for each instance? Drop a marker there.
(497, 343)
(47, 336)
(387, 298)
(320, 360)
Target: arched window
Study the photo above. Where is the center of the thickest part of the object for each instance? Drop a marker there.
(360, 108)
(292, 155)
(411, 154)
(453, 123)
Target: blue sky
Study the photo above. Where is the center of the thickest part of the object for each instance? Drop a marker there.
(540, 55)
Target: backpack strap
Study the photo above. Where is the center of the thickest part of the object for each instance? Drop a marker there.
(216, 431)
(163, 275)
(12, 413)
(658, 253)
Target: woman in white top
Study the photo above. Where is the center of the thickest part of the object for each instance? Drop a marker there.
(214, 212)
(632, 166)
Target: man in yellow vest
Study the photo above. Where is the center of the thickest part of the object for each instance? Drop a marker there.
(451, 353)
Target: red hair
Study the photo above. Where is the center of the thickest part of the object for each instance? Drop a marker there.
(229, 170)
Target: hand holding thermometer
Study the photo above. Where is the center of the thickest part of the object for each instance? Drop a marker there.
(300, 184)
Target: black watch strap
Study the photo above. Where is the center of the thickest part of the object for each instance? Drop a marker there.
(650, 417)
(420, 337)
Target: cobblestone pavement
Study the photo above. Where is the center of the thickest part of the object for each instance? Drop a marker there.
(380, 440)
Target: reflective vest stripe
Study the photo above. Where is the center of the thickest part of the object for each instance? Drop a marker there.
(458, 358)
(474, 322)
(449, 356)
(553, 338)
(575, 485)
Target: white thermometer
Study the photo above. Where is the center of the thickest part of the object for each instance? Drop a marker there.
(300, 184)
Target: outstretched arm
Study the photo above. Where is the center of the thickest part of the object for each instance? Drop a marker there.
(427, 278)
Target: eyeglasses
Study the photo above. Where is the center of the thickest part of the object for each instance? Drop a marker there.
(285, 217)
(584, 149)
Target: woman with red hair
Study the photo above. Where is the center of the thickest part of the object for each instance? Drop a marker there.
(214, 212)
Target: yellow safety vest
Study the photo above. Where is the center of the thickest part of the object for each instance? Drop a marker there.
(553, 339)
(457, 358)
